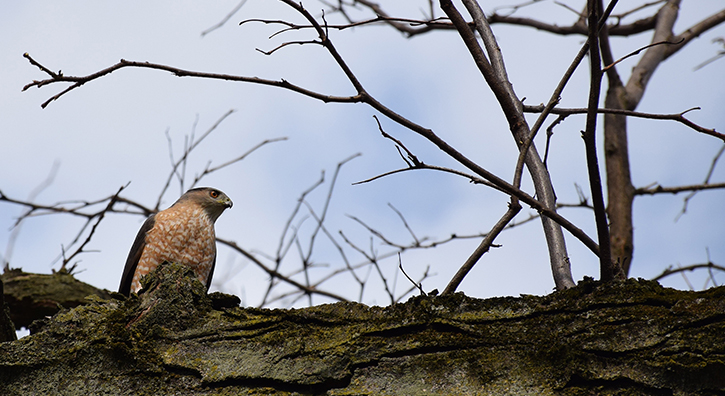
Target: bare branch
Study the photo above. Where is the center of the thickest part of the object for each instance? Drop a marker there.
(483, 247)
(405, 223)
(404, 25)
(362, 96)
(417, 285)
(553, 101)
(695, 31)
(209, 170)
(627, 13)
(79, 81)
(189, 145)
(321, 219)
(706, 185)
(679, 117)
(225, 19)
(658, 189)
(112, 201)
(273, 50)
(607, 268)
(371, 257)
(719, 55)
(578, 27)
(494, 72)
(633, 53)
(653, 56)
(670, 270)
(18, 225)
(408, 27)
(273, 273)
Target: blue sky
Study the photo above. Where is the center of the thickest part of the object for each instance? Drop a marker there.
(113, 131)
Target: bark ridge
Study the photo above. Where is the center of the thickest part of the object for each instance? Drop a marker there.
(629, 337)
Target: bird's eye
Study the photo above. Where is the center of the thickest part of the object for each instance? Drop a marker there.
(214, 193)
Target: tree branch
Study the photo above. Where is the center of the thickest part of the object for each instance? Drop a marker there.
(271, 272)
(658, 189)
(483, 247)
(669, 271)
(79, 81)
(695, 31)
(679, 117)
(607, 269)
(362, 96)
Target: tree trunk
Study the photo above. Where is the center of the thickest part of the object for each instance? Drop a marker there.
(631, 337)
(620, 191)
(619, 182)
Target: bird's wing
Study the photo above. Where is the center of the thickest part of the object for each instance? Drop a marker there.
(211, 272)
(134, 255)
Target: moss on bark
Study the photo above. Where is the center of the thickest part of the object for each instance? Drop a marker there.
(34, 296)
(631, 337)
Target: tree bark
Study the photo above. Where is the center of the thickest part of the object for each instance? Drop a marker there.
(631, 337)
(31, 297)
(620, 191)
(7, 327)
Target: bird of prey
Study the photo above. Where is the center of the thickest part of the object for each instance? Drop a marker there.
(183, 234)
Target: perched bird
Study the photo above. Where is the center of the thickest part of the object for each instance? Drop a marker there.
(183, 234)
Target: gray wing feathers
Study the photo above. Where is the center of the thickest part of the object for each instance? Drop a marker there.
(134, 255)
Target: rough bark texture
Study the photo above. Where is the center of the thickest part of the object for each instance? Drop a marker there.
(631, 337)
(7, 328)
(35, 296)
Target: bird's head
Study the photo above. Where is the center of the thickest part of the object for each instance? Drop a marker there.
(212, 200)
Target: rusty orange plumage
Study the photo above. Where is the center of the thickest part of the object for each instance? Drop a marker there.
(183, 234)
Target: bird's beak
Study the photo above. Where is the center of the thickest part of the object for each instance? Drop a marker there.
(228, 203)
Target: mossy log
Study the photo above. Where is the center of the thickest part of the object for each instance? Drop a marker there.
(625, 338)
(31, 297)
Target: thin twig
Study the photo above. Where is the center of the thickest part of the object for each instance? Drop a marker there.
(670, 270)
(405, 223)
(225, 19)
(209, 170)
(513, 209)
(633, 53)
(18, 225)
(361, 96)
(417, 285)
(189, 145)
(679, 117)
(705, 184)
(112, 201)
(271, 272)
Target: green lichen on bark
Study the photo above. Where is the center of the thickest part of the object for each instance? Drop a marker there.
(631, 337)
(34, 296)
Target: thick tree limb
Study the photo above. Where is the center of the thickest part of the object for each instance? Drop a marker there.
(175, 339)
(495, 75)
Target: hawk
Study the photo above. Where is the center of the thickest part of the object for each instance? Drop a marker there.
(183, 234)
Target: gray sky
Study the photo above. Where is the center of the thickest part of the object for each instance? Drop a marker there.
(112, 131)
